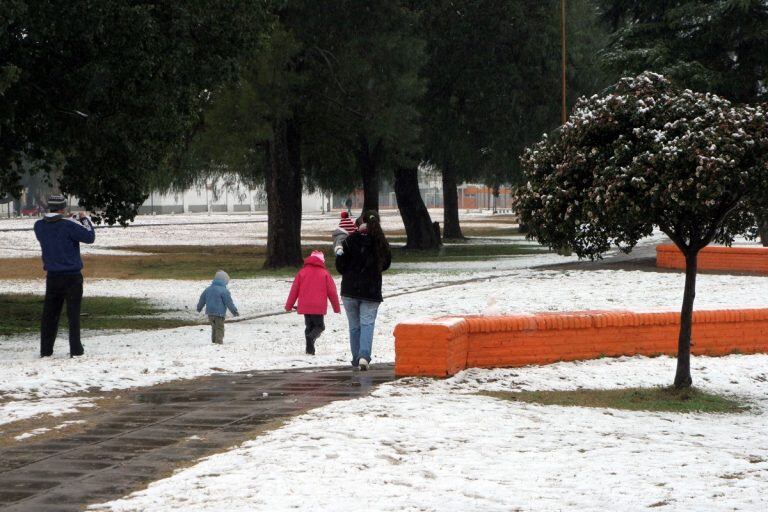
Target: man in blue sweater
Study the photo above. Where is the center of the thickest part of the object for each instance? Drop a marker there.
(60, 236)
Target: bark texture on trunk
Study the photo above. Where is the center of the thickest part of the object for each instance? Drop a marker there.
(495, 198)
(283, 187)
(683, 373)
(762, 228)
(367, 160)
(451, 225)
(419, 229)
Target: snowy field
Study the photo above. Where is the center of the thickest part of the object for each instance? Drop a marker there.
(18, 241)
(419, 444)
(139, 358)
(425, 445)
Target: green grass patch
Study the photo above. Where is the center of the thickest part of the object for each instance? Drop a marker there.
(633, 399)
(201, 262)
(21, 314)
(247, 261)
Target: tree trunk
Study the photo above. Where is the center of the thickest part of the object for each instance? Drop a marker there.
(370, 173)
(683, 375)
(283, 186)
(419, 230)
(762, 228)
(451, 226)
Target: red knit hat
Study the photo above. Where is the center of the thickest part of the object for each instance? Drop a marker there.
(344, 214)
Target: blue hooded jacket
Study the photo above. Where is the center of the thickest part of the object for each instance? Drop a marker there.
(217, 299)
(60, 239)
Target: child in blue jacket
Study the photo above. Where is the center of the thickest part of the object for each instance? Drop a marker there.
(217, 299)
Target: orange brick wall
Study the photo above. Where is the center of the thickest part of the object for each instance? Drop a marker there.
(445, 346)
(743, 259)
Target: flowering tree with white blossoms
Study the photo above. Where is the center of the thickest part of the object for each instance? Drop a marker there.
(648, 154)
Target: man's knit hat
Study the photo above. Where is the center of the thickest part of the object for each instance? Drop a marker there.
(57, 202)
(222, 276)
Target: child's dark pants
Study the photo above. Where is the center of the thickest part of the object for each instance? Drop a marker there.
(314, 326)
(217, 329)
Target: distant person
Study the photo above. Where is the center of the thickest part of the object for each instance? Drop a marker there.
(365, 255)
(313, 287)
(60, 236)
(345, 228)
(217, 300)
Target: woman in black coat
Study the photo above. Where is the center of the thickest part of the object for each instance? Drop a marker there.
(365, 256)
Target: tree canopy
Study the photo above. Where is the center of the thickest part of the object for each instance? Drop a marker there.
(493, 76)
(104, 92)
(646, 154)
(708, 45)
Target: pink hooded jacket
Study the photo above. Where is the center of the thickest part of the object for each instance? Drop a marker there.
(313, 286)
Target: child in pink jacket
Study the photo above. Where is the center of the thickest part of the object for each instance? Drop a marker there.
(313, 287)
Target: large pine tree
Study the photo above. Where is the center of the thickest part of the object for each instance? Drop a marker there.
(718, 46)
(329, 99)
(707, 45)
(494, 84)
(366, 61)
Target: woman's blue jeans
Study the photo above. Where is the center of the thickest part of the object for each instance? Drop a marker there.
(361, 315)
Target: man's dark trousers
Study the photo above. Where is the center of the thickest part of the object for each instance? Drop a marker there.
(60, 288)
(314, 325)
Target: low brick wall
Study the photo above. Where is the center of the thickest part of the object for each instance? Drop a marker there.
(444, 346)
(741, 259)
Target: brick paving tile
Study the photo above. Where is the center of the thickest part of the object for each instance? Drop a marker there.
(124, 450)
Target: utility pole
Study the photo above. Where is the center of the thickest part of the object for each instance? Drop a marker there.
(564, 59)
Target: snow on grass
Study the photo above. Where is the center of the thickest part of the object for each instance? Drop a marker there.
(129, 359)
(25, 409)
(418, 444)
(118, 360)
(43, 430)
(18, 241)
(428, 445)
(31, 433)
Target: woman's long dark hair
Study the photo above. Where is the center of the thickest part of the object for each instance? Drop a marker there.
(380, 245)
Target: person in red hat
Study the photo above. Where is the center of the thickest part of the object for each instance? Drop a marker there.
(313, 287)
(345, 228)
(347, 224)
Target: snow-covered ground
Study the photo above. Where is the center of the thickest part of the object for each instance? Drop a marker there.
(130, 359)
(417, 444)
(421, 445)
(18, 241)
(25, 409)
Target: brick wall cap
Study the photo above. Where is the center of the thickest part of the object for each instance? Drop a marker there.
(445, 345)
(737, 249)
(551, 320)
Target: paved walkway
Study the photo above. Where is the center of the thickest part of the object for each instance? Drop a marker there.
(163, 428)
